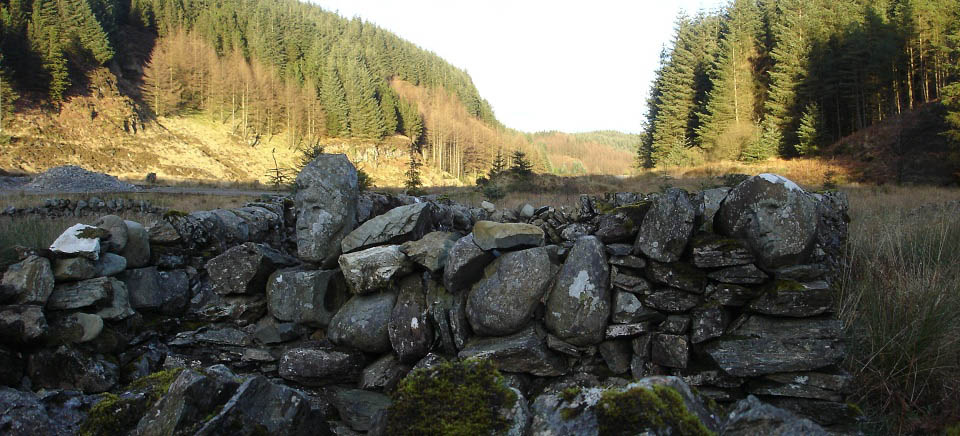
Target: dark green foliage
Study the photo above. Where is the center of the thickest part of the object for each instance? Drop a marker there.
(809, 133)
(115, 415)
(454, 398)
(412, 182)
(497, 166)
(520, 164)
(660, 410)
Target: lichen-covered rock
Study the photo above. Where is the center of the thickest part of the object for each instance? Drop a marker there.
(675, 325)
(812, 385)
(79, 240)
(752, 417)
(55, 413)
(410, 334)
(117, 229)
(615, 227)
(504, 300)
(713, 251)
(670, 300)
(192, 397)
(118, 308)
(399, 225)
(326, 202)
(677, 275)
(628, 281)
(359, 408)
(578, 307)
(74, 328)
(465, 264)
(261, 407)
(742, 275)
(384, 374)
(66, 367)
(152, 291)
(667, 227)
(763, 345)
(777, 218)
(363, 321)
(22, 325)
(732, 295)
(672, 351)
(74, 268)
(793, 299)
(374, 269)
(137, 249)
(312, 365)
(161, 233)
(616, 353)
(78, 295)
(708, 323)
(28, 282)
(110, 264)
(244, 269)
(302, 296)
(525, 351)
(490, 235)
(619, 331)
(431, 251)
(708, 203)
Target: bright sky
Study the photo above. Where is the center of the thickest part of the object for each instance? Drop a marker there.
(542, 64)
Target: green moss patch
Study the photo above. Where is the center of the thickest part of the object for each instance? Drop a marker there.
(660, 410)
(115, 415)
(454, 398)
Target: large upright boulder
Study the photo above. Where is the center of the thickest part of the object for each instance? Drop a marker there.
(410, 334)
(777, 218)
(362, 322)
(504, 300)
(579, 304)
(667, 227)
(137, 249)
(326, 201)
(399, 225)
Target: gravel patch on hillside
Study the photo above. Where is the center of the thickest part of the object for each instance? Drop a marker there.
(72, 179)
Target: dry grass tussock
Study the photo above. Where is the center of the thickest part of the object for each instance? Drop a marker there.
(899, 300)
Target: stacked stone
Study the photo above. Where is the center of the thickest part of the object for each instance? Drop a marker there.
(63, 207)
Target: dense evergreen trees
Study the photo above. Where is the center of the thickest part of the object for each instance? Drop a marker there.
(786, 77)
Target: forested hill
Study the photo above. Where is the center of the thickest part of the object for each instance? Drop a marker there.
(761, 78)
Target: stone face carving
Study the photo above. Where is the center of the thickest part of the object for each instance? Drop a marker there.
(326, 202)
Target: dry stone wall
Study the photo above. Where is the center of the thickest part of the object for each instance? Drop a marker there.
(333, 297)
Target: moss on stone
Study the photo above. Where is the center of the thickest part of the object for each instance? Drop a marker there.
(570, 393)
(777, 286)
(91, 233)
(453, 398)
(172, 213)
(115, 415)
(660, 410)
(157, 383)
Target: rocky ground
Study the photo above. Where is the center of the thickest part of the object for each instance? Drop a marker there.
(671, 313)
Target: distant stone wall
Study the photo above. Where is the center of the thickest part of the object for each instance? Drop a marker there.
(93, 206)
(730, 289)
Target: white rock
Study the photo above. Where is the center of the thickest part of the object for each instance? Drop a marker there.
(73, 241)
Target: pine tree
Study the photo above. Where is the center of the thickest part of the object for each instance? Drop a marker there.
(411, 123)
(809, 134)
(44, 32)
(366, 118)
(7, 95)
(334, 100)
(412, 183)
(388, 106)
(520, 165)
(791, 57)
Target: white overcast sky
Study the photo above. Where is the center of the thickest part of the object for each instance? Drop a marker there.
(571, 66)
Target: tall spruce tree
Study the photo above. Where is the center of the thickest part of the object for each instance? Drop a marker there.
(671, 135)
(334, 99)
(792, 43)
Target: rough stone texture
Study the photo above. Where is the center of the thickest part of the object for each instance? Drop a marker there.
(671, 300)
(66, 367)
(302, 296)
(789, 298)
(677, 275)
(762, 345)
(708, 323)
(326, 201)
(118, 307)
(162, 233)
(74, 328)
(708, 203)
(399, 225)
(430, 251)
(628, 309)
(137, 249)
(193, 397)
(74, 268)
(118, 232)
(110, 264)
(632, 262)
(21, 325)
(578, 307)
(28, 282)
(505, 299)
(620, 279)
(776, 217)
(410, 334)
(49, 413)
(359, 408)
(244, 269)
(732, 295)
(490, 235)
(616, 353)
(384, 374)
(79, 240)
(812, 385)
(667, 227)
(259, 407)
(149, 292)
(615, 331)
(319, 366)
(675, 325)
(615, 227)
(374, 269)
(670, 350)
(742, 275)
(713, 251)
(525, 351)
(751, 417)
(465, 264)
(83, 294)
(362, 322)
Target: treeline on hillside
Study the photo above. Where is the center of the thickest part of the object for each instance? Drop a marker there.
(245, 50)
(600, 152)
(762, 78)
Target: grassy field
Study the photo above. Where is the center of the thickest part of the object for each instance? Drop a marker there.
(899, 296)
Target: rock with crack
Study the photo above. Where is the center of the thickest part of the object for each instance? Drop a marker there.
(505, 299)
(411, 336)
(465, 264)
(259, 407)
(375, 268)
(667, 227)
(399, 225)
(578, 306)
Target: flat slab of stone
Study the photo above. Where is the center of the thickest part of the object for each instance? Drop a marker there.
(79, 240)
(490, 235)
(398, 225)
(319, 366)
(525, 351)
(78, 295)
(794, 299)
(374, 269)
(431, 251)
(714, 251)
